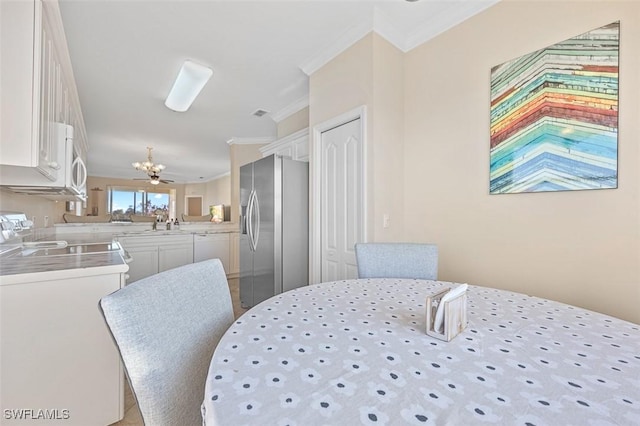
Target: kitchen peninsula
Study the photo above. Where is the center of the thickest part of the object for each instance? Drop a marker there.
(154, 251)
(53, 333)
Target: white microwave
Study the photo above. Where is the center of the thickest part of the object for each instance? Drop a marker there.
(71, 180)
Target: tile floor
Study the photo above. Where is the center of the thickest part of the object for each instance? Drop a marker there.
(132, 415)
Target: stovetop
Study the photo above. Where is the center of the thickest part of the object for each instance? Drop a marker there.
(72, 249)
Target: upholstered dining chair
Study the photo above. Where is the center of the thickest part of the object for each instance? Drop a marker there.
(397, 260)
(166, 327)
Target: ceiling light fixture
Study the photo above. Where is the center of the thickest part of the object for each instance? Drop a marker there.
(190, 81)
(151, 169)
(148, 166)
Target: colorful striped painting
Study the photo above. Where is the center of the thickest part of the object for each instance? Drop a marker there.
(554, 117)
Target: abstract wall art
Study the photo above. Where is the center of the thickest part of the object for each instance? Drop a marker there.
(554, 117)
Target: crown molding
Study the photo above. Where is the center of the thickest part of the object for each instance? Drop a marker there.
(219, 176)
(206, 180)
(444, 21)
(349, 38)
(249, 141)
(387, 30)
(290, 109)
(273, 146)
(380, 24)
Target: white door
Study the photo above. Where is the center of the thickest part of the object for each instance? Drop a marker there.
(193, 205)
(341, 200)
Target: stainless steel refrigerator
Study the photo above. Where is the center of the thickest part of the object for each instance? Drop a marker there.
(274, 238)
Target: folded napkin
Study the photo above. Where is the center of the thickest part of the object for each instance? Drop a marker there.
(452, 294)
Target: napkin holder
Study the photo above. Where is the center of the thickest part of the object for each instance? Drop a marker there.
(454, 318)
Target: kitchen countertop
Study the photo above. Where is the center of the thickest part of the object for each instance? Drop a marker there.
(78, 233)
(131, 228)
(18, 269)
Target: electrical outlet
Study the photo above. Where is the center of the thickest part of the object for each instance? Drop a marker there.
(385, 220)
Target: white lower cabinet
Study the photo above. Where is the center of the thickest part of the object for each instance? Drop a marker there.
(212, 246)
(176, 254)
(156, 253)
(145, 261)
(59, 363)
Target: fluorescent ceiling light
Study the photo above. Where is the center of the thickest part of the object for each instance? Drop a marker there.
(190, 81)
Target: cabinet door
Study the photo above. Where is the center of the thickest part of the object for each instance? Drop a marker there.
(301, 149)
(234, 253)
(212, 246)
(57, 351)
(49, 87)
(172, 256)
(285, 151)
(144, 263)
(20, 58)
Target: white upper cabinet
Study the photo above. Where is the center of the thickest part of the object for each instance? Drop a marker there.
(37, 86)
(294, 146)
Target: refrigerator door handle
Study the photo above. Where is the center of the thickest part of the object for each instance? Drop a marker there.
(248, 219)
(257, 215)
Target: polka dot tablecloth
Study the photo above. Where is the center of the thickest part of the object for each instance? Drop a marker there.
(356, 352)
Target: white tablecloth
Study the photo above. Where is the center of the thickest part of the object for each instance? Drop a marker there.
(356, 352)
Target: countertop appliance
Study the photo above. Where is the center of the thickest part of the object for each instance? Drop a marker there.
(274, 237)
(13, 226)
(69, 181)
(58, 362)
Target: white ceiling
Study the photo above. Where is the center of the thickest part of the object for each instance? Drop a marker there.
(127, 53)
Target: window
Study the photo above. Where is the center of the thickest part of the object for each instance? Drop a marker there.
(123, 202)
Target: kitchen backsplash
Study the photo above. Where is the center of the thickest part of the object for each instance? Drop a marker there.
(34, 207)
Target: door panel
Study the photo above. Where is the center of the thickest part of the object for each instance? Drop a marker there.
(246, 254)
(174, 255)
(263, 263)
(194, 205)
(330, 202)
(353, 213)
(341, 195)
(246, 271)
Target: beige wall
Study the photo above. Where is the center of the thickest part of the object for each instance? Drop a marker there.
(34, 207)
(385, 151)
(343, 84)
(293, 123)
(218, 192)
(579, 247)
(369, 73)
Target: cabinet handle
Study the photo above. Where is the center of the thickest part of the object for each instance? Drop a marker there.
(53, 165)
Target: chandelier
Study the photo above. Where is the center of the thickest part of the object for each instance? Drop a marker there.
(148, 166)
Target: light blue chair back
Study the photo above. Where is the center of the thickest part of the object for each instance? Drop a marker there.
(166, 327)
(397, 260)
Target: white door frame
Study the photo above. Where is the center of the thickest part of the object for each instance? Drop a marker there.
(315, 230)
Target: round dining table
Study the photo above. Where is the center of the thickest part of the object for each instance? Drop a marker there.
(356, 352)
